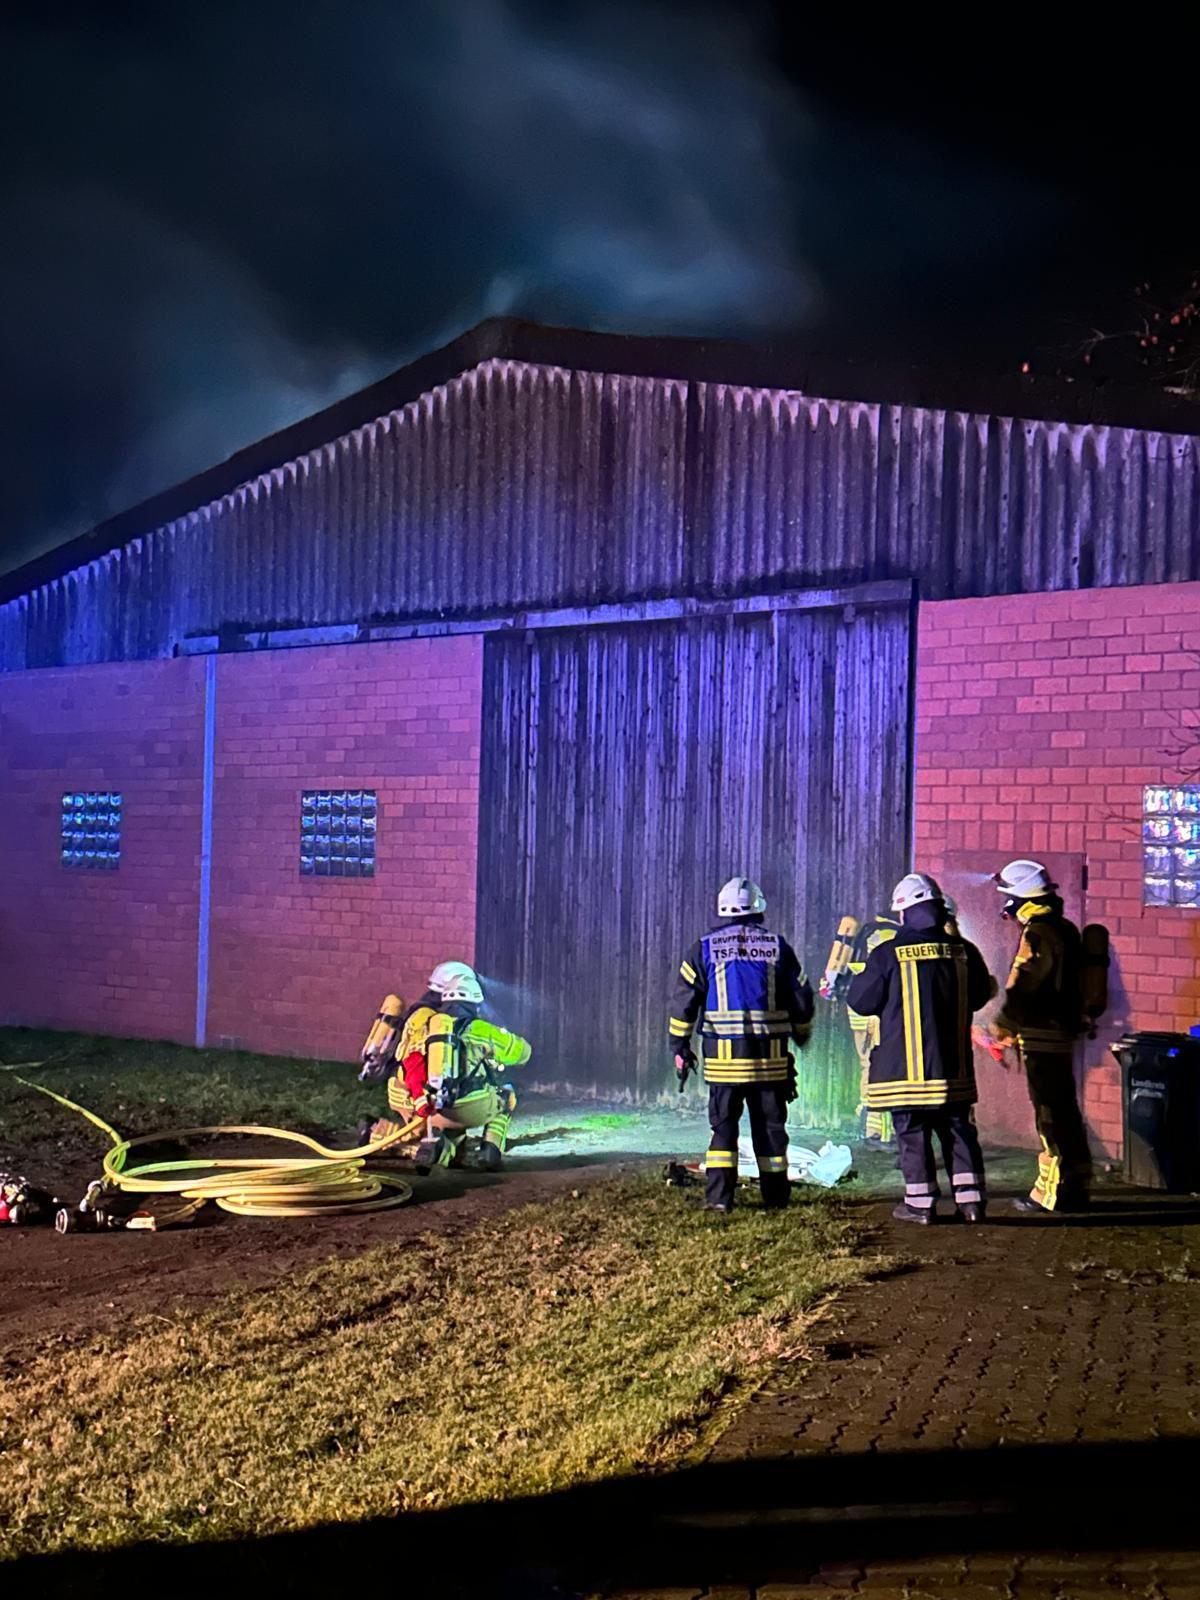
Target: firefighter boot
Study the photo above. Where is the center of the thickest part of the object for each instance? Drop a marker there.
(436, 1151)
(489, 1156)
(776, 1188)
(906, 1213)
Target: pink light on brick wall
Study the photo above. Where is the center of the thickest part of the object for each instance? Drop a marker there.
(296, 964)
(1040, 719)
(300, 963)
(115, 951)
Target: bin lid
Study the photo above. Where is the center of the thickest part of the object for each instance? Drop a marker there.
(1159, 1043)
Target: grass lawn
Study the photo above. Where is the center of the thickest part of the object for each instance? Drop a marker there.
(592, 1334)
(141, 1087)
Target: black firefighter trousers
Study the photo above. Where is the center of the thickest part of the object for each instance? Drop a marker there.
(1065, 1162)
(767, 1104)
(954, 1130)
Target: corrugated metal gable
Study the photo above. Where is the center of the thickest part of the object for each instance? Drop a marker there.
(517, 486)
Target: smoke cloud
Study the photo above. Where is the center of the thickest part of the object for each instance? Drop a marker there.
(228, 216)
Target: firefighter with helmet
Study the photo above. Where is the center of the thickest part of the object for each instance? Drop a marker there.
(924, 985)
(1042, 1014)
(744, 989)
(864, 1031)
(447, 1070)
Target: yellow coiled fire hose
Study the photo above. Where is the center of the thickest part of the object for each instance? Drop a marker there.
(280, 1186)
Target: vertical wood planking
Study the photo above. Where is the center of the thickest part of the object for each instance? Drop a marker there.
(627, 771)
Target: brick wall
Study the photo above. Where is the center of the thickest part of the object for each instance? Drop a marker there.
(1039, 720)
(104, 952)
(300, 964)
(296, 964)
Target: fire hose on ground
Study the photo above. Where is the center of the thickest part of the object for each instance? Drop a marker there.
(254, 1186)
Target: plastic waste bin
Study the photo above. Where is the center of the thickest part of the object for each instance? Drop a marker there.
(1160, 1080)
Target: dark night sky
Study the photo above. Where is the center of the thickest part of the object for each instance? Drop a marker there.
(219, 217)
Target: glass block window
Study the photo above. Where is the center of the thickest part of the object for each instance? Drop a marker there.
(1171, 846)
(337, 833)
(90, 830)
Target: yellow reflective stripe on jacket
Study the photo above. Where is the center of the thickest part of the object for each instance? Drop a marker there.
(747, 1030)
(914, 1039)
(1045, 1042)
(755, 1016)
(747, 1072)
(730, 1060)
(680, 1029)
(895, 1096)
(722, 992)
(687, 972)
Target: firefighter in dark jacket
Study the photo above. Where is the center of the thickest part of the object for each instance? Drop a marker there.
(743, 987)
(924, 985)
(1043, 1015)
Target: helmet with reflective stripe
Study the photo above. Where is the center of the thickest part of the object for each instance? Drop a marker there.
(1024, 880)
(455, 980)
(914, 890)
(741, 897)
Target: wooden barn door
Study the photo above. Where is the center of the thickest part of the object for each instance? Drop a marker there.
(629, 769)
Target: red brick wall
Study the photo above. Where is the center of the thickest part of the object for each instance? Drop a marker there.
(104, 952)
(298, 965)
(1039, 720)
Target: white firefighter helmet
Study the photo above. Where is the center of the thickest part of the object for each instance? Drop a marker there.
(916, 889)
(455, 980)
(741, 897)
(1024, 880)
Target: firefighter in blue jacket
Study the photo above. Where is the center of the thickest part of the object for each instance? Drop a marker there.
(924, 985)
(743, 987)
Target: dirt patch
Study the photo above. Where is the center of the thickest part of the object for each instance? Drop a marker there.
(63, 1287)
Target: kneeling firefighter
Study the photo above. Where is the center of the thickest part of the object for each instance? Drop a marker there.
(394, 1053)
(445, 1067)
(466, 1061)
(745, 990)
(924, 985)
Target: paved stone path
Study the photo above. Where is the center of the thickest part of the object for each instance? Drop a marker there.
(1014, 1413)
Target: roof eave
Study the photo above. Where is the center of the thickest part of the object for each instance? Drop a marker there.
(782, 364)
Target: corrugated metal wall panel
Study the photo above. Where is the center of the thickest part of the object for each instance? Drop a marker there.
(629, 770)
(517, 486)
